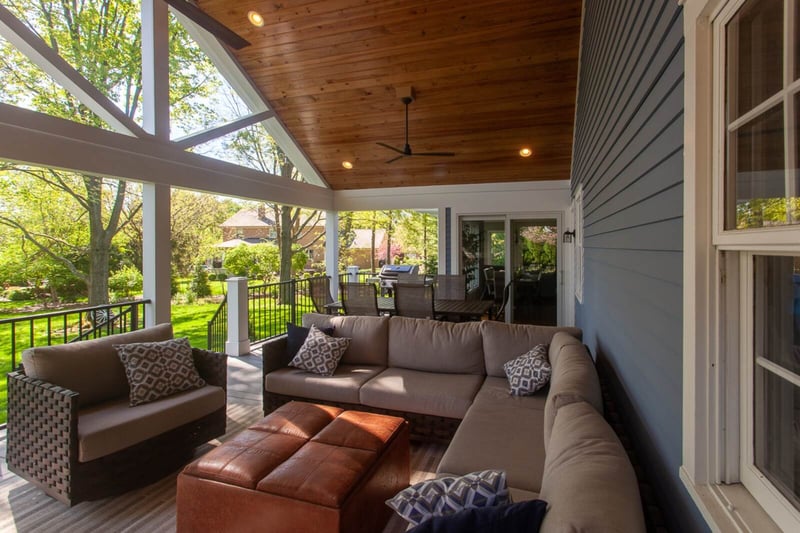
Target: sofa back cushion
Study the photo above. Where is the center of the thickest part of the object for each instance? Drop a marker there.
(429, 345)
(369, 336)
(503, 342)
(588, 480)
(574, 379)
(91, 368)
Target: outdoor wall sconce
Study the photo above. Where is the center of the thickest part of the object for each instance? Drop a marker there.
(569, 236)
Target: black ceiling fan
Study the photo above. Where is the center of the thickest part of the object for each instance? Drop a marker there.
(210, 24)
(406, 151)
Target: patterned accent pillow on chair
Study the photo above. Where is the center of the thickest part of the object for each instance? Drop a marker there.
(320, 353)
(156, 370)
(449, 495)
(529, 372)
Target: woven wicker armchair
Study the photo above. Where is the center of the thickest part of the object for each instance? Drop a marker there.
(44, 431)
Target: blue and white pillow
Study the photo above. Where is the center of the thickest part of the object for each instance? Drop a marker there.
(449, 495)
(529, 372)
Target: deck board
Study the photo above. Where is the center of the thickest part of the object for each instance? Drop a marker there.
(25, 508)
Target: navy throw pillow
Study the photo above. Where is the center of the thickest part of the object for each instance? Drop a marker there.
(522, 517)
(296, 336)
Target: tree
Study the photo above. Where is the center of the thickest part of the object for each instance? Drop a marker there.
(418, 231)
(102, 40)
(254, 147)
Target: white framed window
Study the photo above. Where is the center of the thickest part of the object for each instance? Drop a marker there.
(742, 263)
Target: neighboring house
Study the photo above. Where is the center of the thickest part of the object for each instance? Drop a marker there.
(358, 253)
(249, 224)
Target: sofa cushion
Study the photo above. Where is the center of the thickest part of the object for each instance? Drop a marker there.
(574, 379)
(560, 340)
(444, 347)
(91, 368)
(320, 353)
(588, 480)
(401, 389)
(524, 516)
(503, 432)
(529, 372)
(156, 370)
(369, 336)
(114, 426)
(503, 342)
(342, 386)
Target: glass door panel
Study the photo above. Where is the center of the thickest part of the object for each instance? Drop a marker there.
(534, 262)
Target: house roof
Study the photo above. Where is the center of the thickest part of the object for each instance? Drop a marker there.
(363, 238)
(490, 77)
(247, 218)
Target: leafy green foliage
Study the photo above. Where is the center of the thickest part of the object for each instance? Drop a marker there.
(199, 286)
(125, 282)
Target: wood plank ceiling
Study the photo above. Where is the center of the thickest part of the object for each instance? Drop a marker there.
(490, 77)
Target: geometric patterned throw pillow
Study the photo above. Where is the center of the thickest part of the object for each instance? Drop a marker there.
(158, 369)
(529, 372)
(320, 353)
(417, 503)
(449, 495)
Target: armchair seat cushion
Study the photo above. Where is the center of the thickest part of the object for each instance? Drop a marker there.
(113, 426)
(401, 389)
(342, 386)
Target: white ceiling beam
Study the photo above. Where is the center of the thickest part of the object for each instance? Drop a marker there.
(220, 131)
(230, 69)
(35, 49)
(37, 139)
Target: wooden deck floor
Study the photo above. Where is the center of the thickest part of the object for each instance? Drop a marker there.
(25, 508)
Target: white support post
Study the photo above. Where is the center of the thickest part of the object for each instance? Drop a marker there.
(157, 249)
(156, 252)
(238, 342)
(332, 250)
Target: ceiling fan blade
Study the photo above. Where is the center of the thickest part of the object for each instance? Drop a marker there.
(399, 151)
(437, 154)
(217, 29)
(392, 160)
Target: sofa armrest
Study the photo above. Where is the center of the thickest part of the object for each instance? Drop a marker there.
(274, 354)
(42, 431)
(212, 366)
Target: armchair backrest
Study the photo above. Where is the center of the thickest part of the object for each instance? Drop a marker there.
(320, 289)
(414, 300)
(360, 299)
(90, 368)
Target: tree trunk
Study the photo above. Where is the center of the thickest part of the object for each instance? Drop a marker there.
(372, 245)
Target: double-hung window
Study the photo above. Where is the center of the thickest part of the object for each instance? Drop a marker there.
(755, 243)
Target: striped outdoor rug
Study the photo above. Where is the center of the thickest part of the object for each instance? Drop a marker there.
(25, 508)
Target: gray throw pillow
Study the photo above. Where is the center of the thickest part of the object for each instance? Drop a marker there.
(156, 370)
(449, 495)
(529, 372)
(320, 353)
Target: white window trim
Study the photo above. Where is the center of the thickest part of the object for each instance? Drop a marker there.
(708, 428)
(577, 210)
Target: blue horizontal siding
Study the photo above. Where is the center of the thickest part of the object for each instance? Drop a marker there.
(628, 159)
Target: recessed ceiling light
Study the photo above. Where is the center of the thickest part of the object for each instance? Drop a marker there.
(526, 152)
(347, 164)
(255, 18)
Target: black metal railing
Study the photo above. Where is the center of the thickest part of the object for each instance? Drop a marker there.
(62, 327)
(218, 328)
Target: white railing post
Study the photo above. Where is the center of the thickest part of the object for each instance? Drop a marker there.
(238, 342)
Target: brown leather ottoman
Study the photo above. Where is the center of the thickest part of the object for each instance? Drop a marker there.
(305, 467)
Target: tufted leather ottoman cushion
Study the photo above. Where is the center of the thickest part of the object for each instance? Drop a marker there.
(305, 467)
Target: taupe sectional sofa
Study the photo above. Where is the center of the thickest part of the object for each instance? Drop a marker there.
(448, 381)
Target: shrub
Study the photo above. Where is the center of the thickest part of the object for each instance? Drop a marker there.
(125, 282)
(199, 286)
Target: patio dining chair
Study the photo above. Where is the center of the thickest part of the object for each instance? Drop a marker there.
(320, 289)
(414, 300)
(500, 314)
(360, 299)
(451, 286)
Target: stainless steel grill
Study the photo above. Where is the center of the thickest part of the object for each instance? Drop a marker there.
(389, 274)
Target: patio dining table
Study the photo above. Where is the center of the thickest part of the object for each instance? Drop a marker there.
(463, 309)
